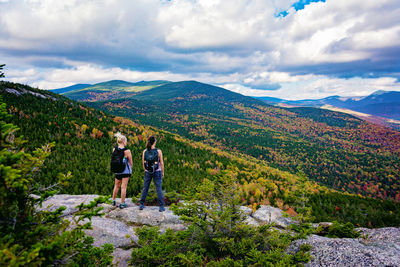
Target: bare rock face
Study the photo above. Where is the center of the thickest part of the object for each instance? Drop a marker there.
(376, 247)
(68, 201)
(112, 231)
(149, 216)
(117, 226)
(122, 256)
(376, 236)
(22, 91)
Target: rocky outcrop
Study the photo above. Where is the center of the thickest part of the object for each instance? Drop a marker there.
(22, 91)
(377, 247)
(149, 216)
(107, 230)
(117, 226)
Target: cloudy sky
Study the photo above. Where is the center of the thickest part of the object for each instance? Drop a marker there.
(280, 48)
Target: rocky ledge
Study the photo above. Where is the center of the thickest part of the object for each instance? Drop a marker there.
(376, 247)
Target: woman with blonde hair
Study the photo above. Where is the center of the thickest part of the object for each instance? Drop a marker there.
(121, 156)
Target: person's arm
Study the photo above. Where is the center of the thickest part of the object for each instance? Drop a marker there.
(160, 157)
(128, 155)
(144, 169)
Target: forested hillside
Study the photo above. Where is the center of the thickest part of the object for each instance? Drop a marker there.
(109, 90)
(332, 148)
(83, 139)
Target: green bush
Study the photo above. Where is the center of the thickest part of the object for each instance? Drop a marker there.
(216, 235)
(337, 229)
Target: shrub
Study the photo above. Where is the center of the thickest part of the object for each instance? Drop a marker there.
(216, 235)
(337, 229)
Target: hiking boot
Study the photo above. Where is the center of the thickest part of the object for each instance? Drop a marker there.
(123, 205)
(114, 203)
(141, 207)
(161, 209)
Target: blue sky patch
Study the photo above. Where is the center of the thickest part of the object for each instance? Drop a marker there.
(298, 6)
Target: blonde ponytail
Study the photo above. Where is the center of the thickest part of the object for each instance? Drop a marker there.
(120, 138)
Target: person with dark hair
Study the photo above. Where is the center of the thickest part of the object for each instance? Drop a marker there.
(153, 166)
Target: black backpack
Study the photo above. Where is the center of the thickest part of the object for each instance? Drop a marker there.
(117, 157)
(151, 160)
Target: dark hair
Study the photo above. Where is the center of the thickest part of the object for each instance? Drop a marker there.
(150, 141)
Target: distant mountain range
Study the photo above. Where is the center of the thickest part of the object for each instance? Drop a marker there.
(385, 104)
(381, 107)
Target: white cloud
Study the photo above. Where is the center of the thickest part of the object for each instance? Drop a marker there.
(239, 43)
(317, 33)
(377, 39)
(214, 24)
(73, 27)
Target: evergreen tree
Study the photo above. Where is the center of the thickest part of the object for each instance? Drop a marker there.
(29, 236)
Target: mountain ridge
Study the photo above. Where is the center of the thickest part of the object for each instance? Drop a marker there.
(112, 89)
(78, 86)
(188, 88)
(384, 106)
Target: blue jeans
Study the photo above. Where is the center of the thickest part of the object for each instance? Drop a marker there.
(157, 177)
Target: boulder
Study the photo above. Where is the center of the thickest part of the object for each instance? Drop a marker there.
(251, 221)
(268, 214)
(68, 201)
